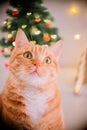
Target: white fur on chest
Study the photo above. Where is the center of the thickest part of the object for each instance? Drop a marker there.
(36, 103)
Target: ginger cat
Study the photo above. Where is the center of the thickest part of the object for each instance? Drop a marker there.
(31, 99)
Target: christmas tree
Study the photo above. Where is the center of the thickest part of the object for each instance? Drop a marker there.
(34, 19)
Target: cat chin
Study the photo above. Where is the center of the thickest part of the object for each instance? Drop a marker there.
(35, 80)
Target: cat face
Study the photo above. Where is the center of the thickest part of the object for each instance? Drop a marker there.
(34, 64)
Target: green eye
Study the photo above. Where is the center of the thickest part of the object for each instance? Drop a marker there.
(27, 55)
(47, 60)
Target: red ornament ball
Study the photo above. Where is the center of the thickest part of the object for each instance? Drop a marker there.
(48, 24)
(11, 39)
(14, 13)
(46, 37)
(37, 19)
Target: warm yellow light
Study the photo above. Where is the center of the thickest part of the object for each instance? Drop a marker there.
(74, 10)
(13, 43)
(77, 89)
(9, 35)
(77, 36)
(5, 22)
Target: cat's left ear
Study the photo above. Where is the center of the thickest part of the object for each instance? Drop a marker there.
(21, 39)
(57, 49)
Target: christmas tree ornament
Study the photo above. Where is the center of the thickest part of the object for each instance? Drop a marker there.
(28, 13)
(9, 26)
(37, 18)
(53, 36)
(13, 43)
(10, 37)
(37, 32)
(46, 37)
(15, 12)
(48, 22)
(23, 26)
(8, 22)
(34, 29)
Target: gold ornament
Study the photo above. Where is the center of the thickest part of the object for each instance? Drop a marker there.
(34, 29)
(24, 26)
(9, 26)
(53, 36)
(9, 23)
(46, 37)
(28, 13)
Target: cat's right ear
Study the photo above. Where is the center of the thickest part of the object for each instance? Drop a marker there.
(21, 39)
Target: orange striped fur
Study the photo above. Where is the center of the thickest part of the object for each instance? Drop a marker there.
(31, 99)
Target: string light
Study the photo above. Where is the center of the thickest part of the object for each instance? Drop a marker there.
(74, 9)
(5, 22)
(77, 36)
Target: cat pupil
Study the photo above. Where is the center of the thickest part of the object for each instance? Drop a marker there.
(48, 60)
(27, 55)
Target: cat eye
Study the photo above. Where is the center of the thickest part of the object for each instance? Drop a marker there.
(47, 60)
(27, 55)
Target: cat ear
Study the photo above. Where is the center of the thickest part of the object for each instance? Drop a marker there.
(21, 39)
(57, 49)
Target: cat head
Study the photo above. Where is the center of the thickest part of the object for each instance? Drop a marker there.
(34, 64)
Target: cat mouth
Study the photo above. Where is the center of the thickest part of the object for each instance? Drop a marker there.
(35, 73)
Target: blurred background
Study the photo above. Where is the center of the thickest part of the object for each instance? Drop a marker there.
(70, 17)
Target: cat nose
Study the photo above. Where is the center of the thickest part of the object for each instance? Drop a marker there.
(37, 63)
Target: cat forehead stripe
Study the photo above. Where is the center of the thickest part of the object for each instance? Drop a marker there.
(43, 45)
